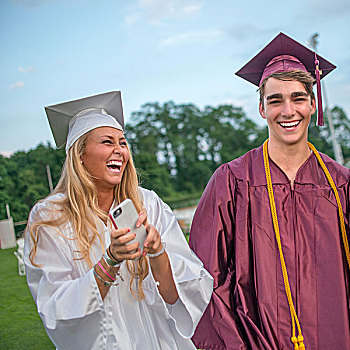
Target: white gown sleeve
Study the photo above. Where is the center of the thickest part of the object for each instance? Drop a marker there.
(64, 300)
(194, 284)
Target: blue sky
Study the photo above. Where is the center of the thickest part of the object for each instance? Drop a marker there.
(153, 50)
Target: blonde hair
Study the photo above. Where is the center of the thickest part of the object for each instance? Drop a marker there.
(80, 205)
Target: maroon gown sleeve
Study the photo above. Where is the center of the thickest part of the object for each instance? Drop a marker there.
(212, 239)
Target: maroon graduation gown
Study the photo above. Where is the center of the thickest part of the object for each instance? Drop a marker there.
(232, 233)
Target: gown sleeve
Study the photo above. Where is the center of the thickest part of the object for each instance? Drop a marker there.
(212, 239)
(194, 284)
(63, 300)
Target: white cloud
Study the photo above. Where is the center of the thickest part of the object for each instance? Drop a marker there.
(132, 18)
(248, 102)
(207, 36)
(330, 8)
(158, 11)
(161, 8)
(245, 31)
(192, 8)
(31, 3)
(26, 69)
(17, 85)
(323, 10)
(6, 154)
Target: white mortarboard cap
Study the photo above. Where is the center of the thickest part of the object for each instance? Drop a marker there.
(70, 120)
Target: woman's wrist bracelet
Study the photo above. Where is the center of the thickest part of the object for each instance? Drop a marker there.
(159, 253)
(110, 262)
(109, 253)
(105, 272)
(106, 283)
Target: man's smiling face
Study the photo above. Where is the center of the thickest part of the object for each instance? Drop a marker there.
(287, 109)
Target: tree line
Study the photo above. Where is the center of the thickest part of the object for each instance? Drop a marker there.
(176, 148)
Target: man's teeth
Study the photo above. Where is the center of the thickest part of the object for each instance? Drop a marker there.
(290, 124)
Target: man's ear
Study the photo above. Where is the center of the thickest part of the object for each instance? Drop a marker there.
(261, 110)
(313, 106)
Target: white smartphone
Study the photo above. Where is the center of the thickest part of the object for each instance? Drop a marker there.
(125, 215)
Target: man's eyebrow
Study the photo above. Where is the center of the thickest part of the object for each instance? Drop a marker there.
(270, 97)
(293, 95)
(299, 93)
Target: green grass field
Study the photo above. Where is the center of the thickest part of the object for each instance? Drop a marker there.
(20, 324)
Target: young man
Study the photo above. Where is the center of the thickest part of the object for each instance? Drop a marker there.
(271, 228)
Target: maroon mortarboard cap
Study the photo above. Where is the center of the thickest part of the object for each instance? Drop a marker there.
(284, 54)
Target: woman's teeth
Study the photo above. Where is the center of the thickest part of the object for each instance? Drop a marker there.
(114, 165)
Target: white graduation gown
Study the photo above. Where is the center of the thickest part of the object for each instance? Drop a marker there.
(69, 302)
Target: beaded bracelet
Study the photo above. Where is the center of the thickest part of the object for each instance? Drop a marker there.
(105, 272)
(159, 253)
(113, 257)
(119, 273)
(109, 261)
(106, 283)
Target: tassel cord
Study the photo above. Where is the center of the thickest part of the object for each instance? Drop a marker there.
(299, 341)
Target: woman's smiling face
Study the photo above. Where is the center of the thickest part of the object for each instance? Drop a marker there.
(106, 156)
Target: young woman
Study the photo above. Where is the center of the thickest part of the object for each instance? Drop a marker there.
(92, 287)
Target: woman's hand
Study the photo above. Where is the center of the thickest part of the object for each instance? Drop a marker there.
(120, 249)
(152, 243)
(160, 265)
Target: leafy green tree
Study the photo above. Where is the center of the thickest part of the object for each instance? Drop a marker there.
(176, 149)
(188, 142)
(321, 137)
(6, 186)
(23, 179)
(342, 130)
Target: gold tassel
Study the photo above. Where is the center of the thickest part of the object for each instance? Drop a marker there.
(295, 342)
(301, 342)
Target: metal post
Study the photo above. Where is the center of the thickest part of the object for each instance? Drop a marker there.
(8, 211)
(338, 154)
(49, 177)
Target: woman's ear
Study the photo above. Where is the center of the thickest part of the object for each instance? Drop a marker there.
(261, 110)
